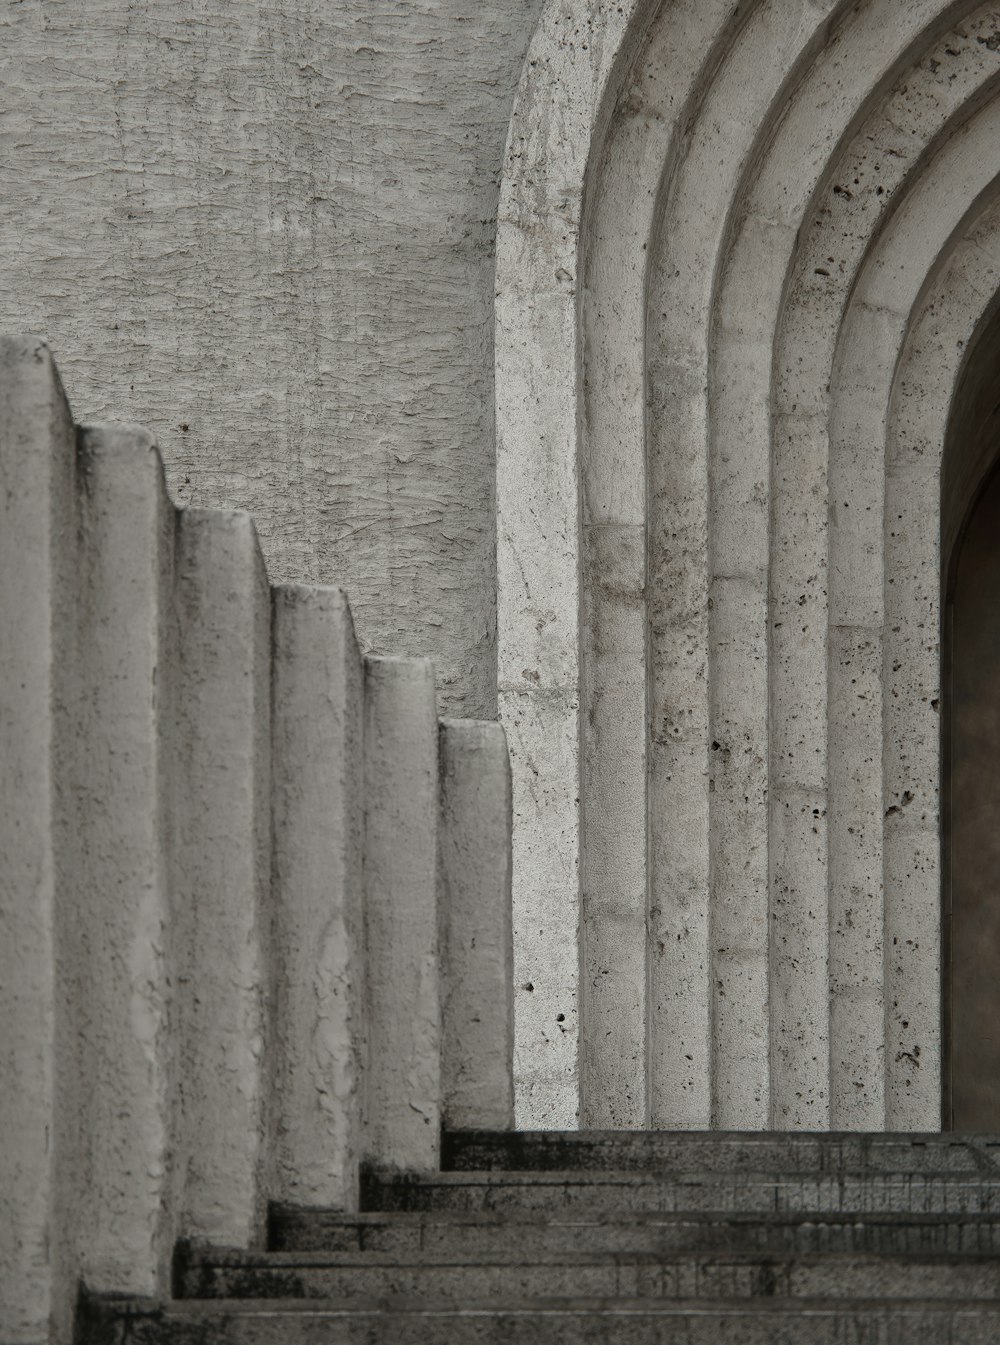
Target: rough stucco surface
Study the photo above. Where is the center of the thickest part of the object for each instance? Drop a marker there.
(266, 233)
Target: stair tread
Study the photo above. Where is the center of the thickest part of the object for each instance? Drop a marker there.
(279, 1307)
(491, 1219)
(225, 1257)
(659, 1176)
(716, 1150)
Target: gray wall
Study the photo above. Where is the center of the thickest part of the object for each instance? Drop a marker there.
(266, 232)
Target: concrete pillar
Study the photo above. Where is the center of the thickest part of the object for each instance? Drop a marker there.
(477, 957)
(37, 543)
(318, 810)
(614, 1016)
(118, 922)
(401, 805)
(223, 874)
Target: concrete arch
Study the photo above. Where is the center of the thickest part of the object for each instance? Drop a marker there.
(687, 756)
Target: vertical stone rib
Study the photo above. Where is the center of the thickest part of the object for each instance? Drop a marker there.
(318, 812)
(37, 1101)
(474, 912)
(911, 801)
(755, 182)
(687, 1001)
(557, 118)
(797, 630)
(740, 502)
(613, 1012)
(122, 907)
(857, 570)
(401, 920)
(222, 793)
(644, 788)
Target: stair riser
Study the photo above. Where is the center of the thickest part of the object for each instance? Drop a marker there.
(305, 1234)
(858, 1196)
(614, 1279)
(642, 1151)
(918, 1325)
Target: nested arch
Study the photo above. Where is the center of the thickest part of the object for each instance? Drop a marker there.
(717, 227)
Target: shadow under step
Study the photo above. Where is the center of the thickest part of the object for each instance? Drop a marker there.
(540, 1322)
(300, 1230)
(799, 1152)
(509, 1277)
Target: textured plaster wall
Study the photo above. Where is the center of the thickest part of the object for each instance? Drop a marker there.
(265, 231)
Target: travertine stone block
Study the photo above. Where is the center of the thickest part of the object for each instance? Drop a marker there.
(37, 1115)
(680, 991)
(401, 922)
(121, 914)
(318, 812)
(856, 905)
(912, 976)
(739, 913)
(477, 970)
(799, 994)
(613, 1086)
(544, 728)
(222, 802)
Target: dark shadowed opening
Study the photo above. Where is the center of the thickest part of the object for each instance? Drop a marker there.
(970, 551)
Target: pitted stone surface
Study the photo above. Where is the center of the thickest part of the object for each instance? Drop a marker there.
(762, 271)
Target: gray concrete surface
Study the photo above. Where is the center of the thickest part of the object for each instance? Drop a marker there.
(317, 893)
(120, 927)
(474, 912)
(38, 1102)
(716, 919)
(401, 913)
(223, 860)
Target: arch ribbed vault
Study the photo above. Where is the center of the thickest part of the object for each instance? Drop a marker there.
(742, 251)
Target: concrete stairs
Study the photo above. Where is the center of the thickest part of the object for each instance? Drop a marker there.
(616, 1237)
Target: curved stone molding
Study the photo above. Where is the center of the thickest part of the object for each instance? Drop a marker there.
(572, 64)
(696, 557)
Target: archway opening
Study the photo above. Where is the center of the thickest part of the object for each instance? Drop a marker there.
(970, 550)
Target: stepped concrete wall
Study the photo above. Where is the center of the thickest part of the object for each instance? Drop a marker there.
(223, 897)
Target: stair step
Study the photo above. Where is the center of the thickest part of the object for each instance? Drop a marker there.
(315, 1230)
(541, 1322)
(716, 1151)
(744, 1192)
(515, 1275)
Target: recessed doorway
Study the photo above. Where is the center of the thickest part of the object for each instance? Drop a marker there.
(971, 747)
